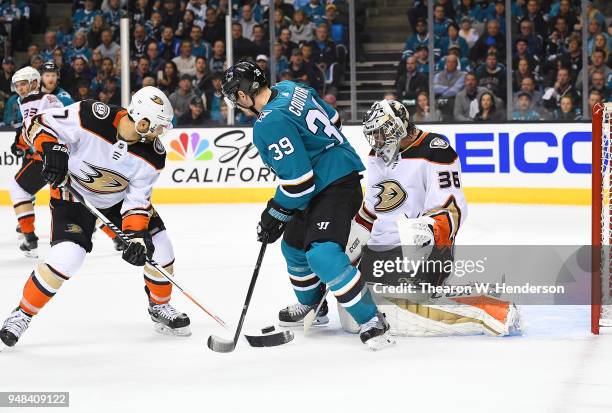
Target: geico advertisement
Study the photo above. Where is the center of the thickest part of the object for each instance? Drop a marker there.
(504, 155)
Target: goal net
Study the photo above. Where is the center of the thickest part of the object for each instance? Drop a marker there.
(601, 308)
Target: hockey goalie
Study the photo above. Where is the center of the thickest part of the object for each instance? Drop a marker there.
(414, 204)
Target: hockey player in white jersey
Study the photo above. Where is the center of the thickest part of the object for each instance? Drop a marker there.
(28, 180)
(414, 198)
(112, 157)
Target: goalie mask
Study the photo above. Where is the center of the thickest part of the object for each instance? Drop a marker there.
(385, 124)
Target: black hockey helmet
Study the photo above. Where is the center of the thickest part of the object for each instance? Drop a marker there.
(49, 67)
(244, 76)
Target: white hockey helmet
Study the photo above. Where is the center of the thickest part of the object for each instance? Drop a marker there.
(385, 124)
(151, 104)
(28, 74)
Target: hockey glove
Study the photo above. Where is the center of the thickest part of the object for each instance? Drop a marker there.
(139, 249)
(17, 151)
(273, 222)
(55, 163)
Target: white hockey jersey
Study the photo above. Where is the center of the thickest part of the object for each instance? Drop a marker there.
(425, 180)
(34, 104)
(103, 168)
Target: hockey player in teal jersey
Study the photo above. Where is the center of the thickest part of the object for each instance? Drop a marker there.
(298, 135)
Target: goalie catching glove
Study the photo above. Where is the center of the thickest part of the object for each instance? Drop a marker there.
(416, 231)
(139, 249)
(273, 221)
(55, 163)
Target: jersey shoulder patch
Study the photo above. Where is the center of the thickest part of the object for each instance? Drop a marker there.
(97, 118)
(153, 153)
(432, 148)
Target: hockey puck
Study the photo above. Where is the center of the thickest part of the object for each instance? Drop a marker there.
(270, 340)
(267, 330)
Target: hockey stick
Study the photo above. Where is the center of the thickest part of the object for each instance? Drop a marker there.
(125, 240)
(310, 318)
(221, 345)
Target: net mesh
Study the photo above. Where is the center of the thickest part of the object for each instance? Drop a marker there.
(606, 214)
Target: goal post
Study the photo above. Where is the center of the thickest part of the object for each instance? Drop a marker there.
(601, 219)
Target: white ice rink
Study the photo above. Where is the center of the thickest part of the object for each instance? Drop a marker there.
(95, 340)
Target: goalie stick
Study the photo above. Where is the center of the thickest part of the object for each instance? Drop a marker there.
(125, 240)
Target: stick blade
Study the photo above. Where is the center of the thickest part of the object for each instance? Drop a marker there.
(220, 345)
(270, 340)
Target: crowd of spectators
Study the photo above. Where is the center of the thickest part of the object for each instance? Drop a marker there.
(179, 46)
(470, 73)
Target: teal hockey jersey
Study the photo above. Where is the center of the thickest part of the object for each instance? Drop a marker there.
(296, 137)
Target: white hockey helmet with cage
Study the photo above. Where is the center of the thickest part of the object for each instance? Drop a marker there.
(385, 124)
(151, 104)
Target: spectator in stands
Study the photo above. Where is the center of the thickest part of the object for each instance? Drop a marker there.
(418, 11)
(450, 38)
(287, 44)
(487, 109)
(185, 62)
(113, 15)
(285, 7)
(466, 101)
(419, 38)
(94, 35)
(562, 87)
(12, 116)
(195, 115)
(557, 41)
(103, 74)
(168, 79)
(470, 12)
(282, 63)
(449, 8)
(141, 12)
(262, 62)
(595, 97)
(108, 48)
(535, 42)
(302, 30)
(83, 18)
(36, 62)
(497, 11)
(566, 112)
(524, 112)
(110, 94)
(261, 45)
(595, 29)
(467, 32)
(139, 42)
(50, 45)
(154, 26)
(325, 55)
(598, 84)
(528, 86)
(182, 96)
(96, 62)
(598, 63)
(454, 50)
(411, 83)
(521, 51)
(440, 23)
(450, 81)
(534, 15)
(8, 69)
(199, 46)
(423, 114)
(302, 73)
(183, 31)
(334, 21)
(492, 76)
(215, 27)
(564, 11)
(280, 22)
(242, 46)
(247, 21)
(491, 37)
(33, 50)
(198, 8)
(84, 91)
(157, 63)
(168, 46)
(79, 47)
(171, 16)
(64, 67)
(81, 74)
(202, 80)
(143, 69)
(422, 55)
(217, 61)
(521, 72)
(314, 10)
(215, 99)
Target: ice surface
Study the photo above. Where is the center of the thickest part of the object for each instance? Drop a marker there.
(95, 340)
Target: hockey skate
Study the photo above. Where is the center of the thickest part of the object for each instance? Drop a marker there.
(375, 333)
(168, 321)
(293, 315)
(30, 245)
(13, 328)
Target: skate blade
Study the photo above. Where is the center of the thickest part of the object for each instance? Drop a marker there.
(167, 331)
(380, 342)
(319, 321)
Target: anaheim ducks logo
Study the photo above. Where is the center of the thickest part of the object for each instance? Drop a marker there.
(390, 197)
(101, 180)
(157, 99)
